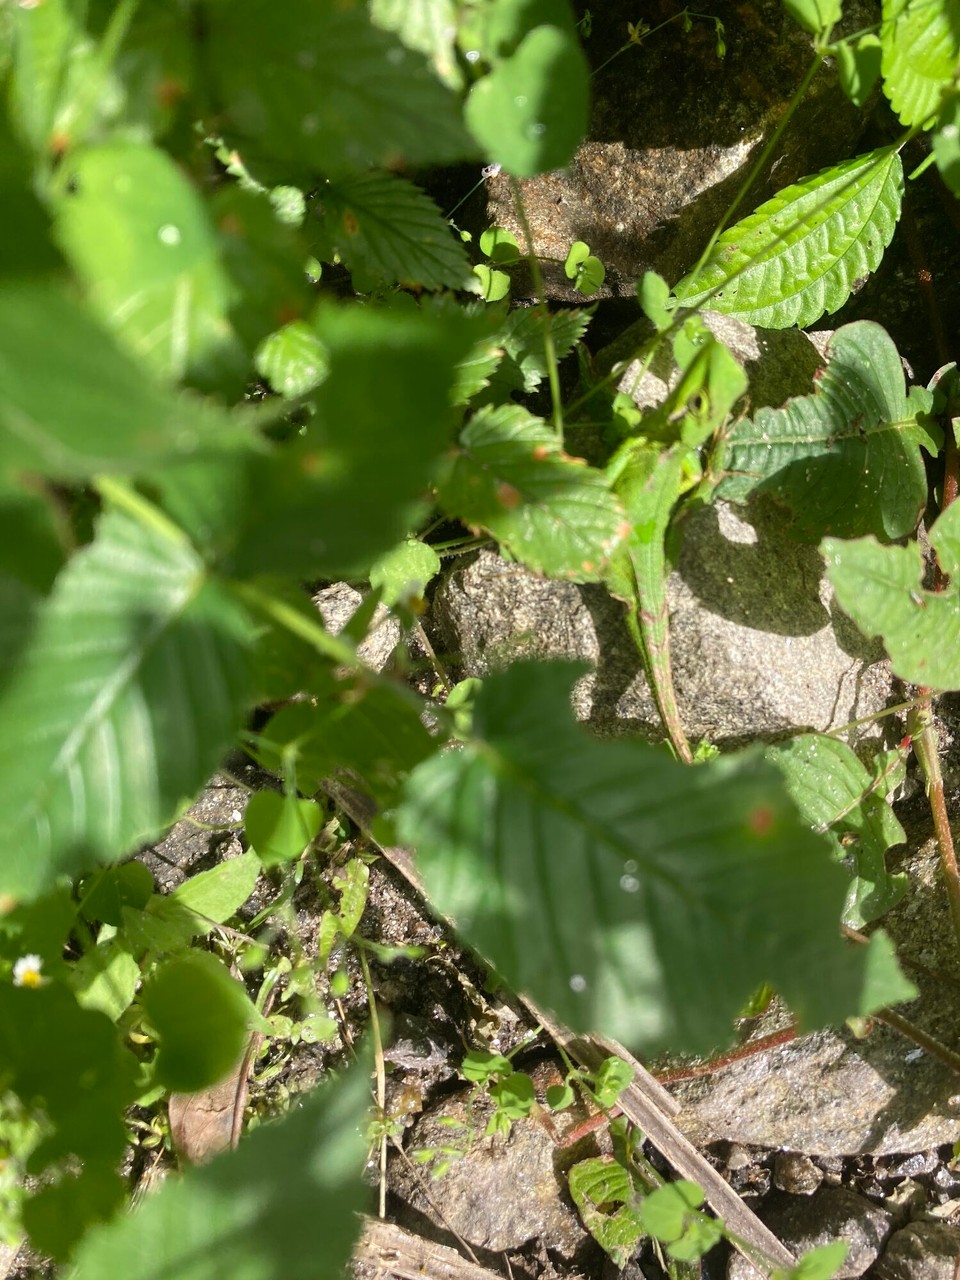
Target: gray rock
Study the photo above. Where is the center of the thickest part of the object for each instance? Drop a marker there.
(758, 647)
(807, 1222)
(501, 1192)
(674, 131)
(339, 602)
(795, 1173)
(830, 1094)
(921, 1251)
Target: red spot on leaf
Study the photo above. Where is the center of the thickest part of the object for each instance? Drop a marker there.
(351, 224)
(541, 452)
(508, 496)
(169, 92)
(760, 821)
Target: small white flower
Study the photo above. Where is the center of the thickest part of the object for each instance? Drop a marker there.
(26, 971)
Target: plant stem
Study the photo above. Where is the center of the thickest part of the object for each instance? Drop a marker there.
(549, 349)
(381, 1077)
(920, 726)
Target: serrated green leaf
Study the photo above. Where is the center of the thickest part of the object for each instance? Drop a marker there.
(200, 1015)
(800, 254)
(75, 405)
(321, 88)
(289, 1195)
(845, 460)
(921, 49)
(219, 893)
(597, 1185)
(524, 364)
(881, 588)
(138, 236)
(548, 510)
(279, 827)
(530, 112)
(104, 894)
(386, 226)
(133, 686)
(626, 892)
(838, 797)
(946, 145)
(293, 360)
(405, 571)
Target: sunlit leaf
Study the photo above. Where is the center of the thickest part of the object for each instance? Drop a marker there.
(289, 1195)
(133, 685)
(882, 590)
(846, 460)
(530, 112)
(800, 254)
(921, 49)
(629, 893)
(386, 226)
(545, 508)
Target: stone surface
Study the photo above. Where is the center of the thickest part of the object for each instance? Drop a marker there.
(674, 130)
(921, 1251)
(337, 605)
(830, 1094)
(806, 1222)
(758, 647)
(795, 1173)
(502, 1192)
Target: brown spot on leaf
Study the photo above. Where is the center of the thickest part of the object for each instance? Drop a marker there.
(508, 496)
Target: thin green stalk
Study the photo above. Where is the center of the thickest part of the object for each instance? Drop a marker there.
(550, 351)
(381, 1076)
(310, 631)
(120, 493)
(921, 728)
(761, 161)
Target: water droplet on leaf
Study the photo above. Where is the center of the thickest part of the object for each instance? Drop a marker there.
(169, 234)
(578, 982)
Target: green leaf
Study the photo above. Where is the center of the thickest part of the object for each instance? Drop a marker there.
(946, 145)
(47, 38)
(499, 244)
(524, 364)
(104, 894)
(347, 488)
(800, 254)
(838, 797)
(626, 892)
(386, 226)
(289, 1195)
(106, 978)
(429, 26)
(814, 15)
(139, 238)
(858, 66)
(280, 826)
(25, 246)
(494, 285)
(219, 893)
(514, 1095)
(665, 1211)
(921, 47)
(530, 113)
(405, 571)
(200, 1015)
(613, 1076)
(322, 89)
(293, 360)
(68, 1065)
(586, 271)
(653, 294)
(881, 588)
(75, 405)
(596, 1186)
(375, 732)
(821, 1263)
(548, 510)
(133, 687)
(845, 460)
